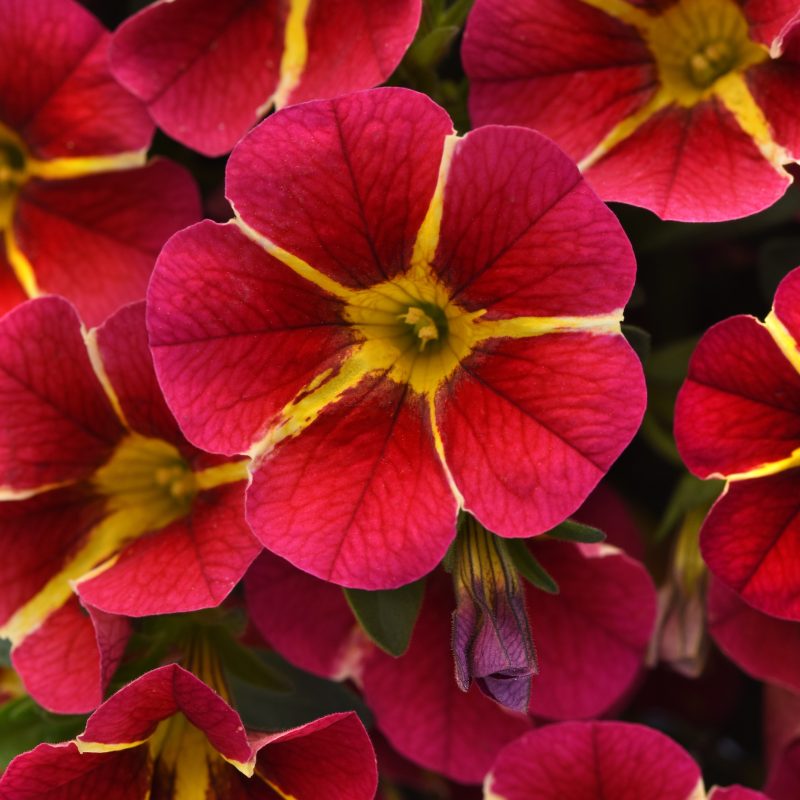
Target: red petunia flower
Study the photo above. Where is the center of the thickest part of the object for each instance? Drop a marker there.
(208, 71)
(738, 417)
(680, 106)
(169, 734)
(80, 213)
(591, 640)
(399, 323)
(102, 495)
(594, 760)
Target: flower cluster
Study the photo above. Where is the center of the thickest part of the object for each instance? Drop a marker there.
(308, 498)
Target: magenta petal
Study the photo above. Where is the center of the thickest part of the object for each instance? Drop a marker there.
(569, 404)
(186, 61)
(343, 184)
(235, 335)
(528, 255)
(422, 712)
(740, 405)
(315, 625)
(60, 772)
(590, 760)
(782, 742)
(736, 793)
(193, 563)
(58, 424)
(338, 747)
(592, 637)
(360, 497)
(95, 239)
(787, 303)
(68, 661)
(751, 538)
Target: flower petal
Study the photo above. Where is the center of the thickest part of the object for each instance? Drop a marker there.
(769, 18)
(592, 637)
(68, 661)
(686, 164)
(314, 641)
(569, 70)
(740, 405)
(765, 647)
(343, 184)
(535, 240)
(595, 759)
(11, 292)
(235, 335)
(95, 239)
(58, 424)
(751, 541)
(185, 60)
(193, 563)
(422, 712)
(56, 89)
(530, 426)
(787, 304)
(359, 497)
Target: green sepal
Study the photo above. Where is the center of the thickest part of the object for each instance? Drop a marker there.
(388, 616)
(242, 662)
(690, 493)
(24, 724)
(529, 567)
(571, 531)
(5, 652)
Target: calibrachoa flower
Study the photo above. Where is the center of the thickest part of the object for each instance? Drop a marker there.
(596, 760)
(168, 735)
(738, 417)
(399, 323)
(80, 214)
(665, 105)
(208, 71)
(591, 641)
(782, 742)
(102, 495)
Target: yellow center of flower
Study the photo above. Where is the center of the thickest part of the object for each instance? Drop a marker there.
(698, 42)
(412, 330)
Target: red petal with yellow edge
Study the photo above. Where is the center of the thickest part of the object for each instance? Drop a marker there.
(37, 537)
(530, 426)
(343, 184)
(770, 18)
(235, 335)
(337, 746)
(422, 712)
(56, 89)
(193, 563)
(686, 164)
(555, 250)
(68, 661)
(94, 240)
(787, 304)
(751, 542)
(124, 351)
(60, 772)
(740, 405)
(57, 422)
(765, 647)
(569, 70)
(359, 498)
(592, 637)
(203, 68)
(775, 85)
(11, 293)
(316, 642)
(588, 760)
(354, 44)
(133, 713)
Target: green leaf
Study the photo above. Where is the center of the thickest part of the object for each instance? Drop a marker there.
(529, 567)
(24, 724)
(388, 616)
(639, 339)
(572, 531)
(262, 709)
